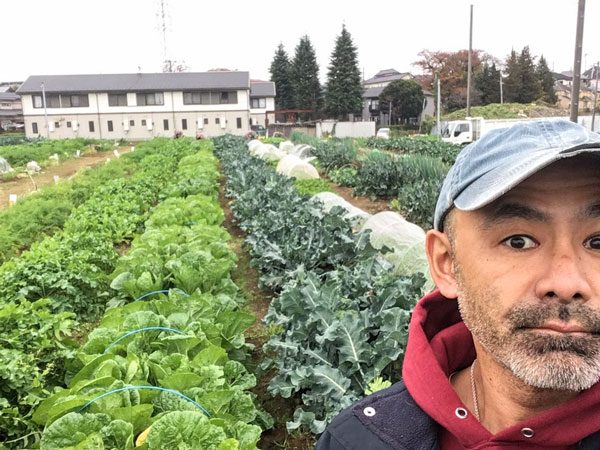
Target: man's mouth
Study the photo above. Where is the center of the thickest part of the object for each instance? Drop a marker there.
(558, 327)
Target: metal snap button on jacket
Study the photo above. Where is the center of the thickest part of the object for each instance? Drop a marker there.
(369, 411)
(527, 432)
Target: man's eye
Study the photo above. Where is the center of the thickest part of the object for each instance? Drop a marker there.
(523, 242)
(592, 243)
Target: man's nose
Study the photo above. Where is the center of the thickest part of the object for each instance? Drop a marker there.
(564, 277)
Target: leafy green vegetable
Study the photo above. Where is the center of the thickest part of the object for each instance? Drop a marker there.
(312, 187)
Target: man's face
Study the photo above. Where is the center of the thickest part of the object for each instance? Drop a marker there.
(527, 269)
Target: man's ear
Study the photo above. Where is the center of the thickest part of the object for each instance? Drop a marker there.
(439, 254)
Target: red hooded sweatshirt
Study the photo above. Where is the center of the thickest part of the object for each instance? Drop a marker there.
(439, 343)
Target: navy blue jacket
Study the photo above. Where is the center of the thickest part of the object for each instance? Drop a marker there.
(391, 420)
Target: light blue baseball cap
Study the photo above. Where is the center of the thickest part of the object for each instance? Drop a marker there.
(490, 167)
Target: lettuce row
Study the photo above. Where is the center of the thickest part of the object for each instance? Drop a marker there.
(183, 247)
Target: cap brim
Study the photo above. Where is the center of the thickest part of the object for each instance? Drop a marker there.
(497, 182)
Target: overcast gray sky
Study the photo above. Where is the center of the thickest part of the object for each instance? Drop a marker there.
(117, 36)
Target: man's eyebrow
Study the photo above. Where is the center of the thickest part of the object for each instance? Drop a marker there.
(507, 211)
(591, 212)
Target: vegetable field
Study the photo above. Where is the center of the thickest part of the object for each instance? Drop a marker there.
(121, 324)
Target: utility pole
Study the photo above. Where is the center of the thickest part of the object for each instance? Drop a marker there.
(577, 62)
(595, 95)
(470, 62)
(45, 110)
(501, 95)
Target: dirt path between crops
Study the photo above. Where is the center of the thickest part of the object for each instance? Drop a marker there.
(24, 185)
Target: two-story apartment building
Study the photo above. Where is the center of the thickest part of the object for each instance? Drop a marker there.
(262, 99)
(11, 111)
(136, 106)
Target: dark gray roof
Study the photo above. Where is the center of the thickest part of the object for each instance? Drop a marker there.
(128, 82)
(387, 75)
(9, 96)
(562, 76)
(262, 89)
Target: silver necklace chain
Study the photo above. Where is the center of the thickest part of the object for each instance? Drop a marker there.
(474, 391)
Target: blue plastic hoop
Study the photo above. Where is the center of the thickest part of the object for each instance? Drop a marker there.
(131, 333)
(151, 388)
(162, 291)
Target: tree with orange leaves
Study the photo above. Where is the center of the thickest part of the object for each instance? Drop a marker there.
(452, 70)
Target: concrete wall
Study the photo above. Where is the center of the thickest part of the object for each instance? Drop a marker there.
(122, 128)
(345, 129)
(287, 129)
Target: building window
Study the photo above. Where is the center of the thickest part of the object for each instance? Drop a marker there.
(110, 125)
(68, 124)
(34, 127)
(56, 124)
(6, 105)
(166, 124)
(155, 98)
(117, 99)
(184, 124)
(217, 121)
(206, 121)
(38, 101)
(239, 122)
(259, 103)
(53, 101)
(74, 101)
(143, 122)
(91, 125)
(209, 98)
(132, 123)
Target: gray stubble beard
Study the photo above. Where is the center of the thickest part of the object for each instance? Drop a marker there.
(543, 361)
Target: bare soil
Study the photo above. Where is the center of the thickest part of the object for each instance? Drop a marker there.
(365, 203)
(23, 185)
(246, 278)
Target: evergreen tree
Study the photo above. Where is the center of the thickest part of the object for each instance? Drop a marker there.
(406, 97)
(281, 75)
(305, 77)
(530, 84)
(344, 91)
(487, 82)
(512, 82)
(546, 81)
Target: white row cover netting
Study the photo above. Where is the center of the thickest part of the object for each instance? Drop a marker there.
(407, 241)
(5, 166)
(292, 166)
(270, 152)
(329, 200)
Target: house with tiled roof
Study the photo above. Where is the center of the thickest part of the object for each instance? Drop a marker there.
(373, 88)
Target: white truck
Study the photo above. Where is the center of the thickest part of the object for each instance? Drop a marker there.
(472, 128)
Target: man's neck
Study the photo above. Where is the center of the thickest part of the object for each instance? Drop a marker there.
(503, 400)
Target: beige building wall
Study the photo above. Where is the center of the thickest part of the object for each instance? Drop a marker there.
(258, 114)
(137, 126)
